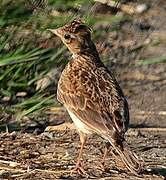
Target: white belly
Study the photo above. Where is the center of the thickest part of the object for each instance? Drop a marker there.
(80, 126)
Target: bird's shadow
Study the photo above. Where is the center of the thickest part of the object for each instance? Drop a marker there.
(158, 171)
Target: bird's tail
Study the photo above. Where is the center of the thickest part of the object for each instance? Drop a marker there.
(128, 157)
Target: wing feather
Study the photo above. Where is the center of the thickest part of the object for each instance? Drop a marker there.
(95, 98)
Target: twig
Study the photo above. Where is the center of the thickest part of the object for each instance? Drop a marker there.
(61, 127)
(10, 163)
(149, 129)
(123, 7)
(152, 113)
(53, 172)
(4, 157)
(11, 169)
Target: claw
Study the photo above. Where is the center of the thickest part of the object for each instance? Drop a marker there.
(78, 169)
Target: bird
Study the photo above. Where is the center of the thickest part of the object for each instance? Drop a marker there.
(92, 96)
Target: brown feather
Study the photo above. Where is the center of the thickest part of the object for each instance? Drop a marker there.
(80, 91)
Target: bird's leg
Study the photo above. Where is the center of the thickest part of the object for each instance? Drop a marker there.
(78, 166)
(107, 150)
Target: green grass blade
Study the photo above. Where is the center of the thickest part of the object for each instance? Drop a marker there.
(151, 61)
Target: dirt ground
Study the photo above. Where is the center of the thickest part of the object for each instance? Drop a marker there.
(52, 154)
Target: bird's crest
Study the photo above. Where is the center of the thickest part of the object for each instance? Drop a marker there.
(75, 26)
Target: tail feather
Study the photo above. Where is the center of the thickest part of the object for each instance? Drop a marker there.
(129, 158)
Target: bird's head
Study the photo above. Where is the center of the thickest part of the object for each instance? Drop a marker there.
(75, 35)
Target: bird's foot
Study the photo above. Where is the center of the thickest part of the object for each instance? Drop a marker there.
(78, 169)
(102, 167)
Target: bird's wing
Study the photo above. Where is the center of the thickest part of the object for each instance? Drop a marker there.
(95, 98)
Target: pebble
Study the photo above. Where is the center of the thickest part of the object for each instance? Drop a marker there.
(141, 8)
(14, 164)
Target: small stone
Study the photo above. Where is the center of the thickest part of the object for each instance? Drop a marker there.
(24, 153)
(141, 8)
(13, 164)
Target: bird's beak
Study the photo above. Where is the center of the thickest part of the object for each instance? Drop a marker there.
(54, 31)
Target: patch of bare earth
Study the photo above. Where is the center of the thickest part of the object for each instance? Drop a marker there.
(52, 155)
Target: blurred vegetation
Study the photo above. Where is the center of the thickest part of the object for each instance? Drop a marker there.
(28, 53)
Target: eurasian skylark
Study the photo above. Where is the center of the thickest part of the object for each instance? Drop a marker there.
(92, 96)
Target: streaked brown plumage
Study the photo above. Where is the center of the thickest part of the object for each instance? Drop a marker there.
(91, 94)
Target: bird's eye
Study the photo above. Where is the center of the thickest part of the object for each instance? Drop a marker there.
(67, 36)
